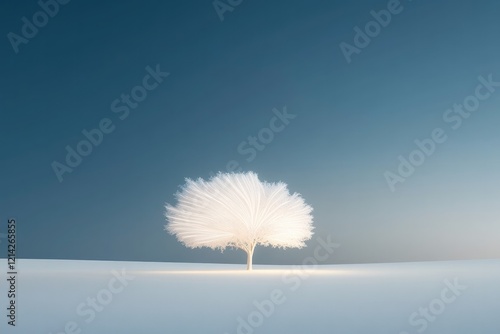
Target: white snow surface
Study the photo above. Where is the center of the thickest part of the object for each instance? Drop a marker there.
(53, 297)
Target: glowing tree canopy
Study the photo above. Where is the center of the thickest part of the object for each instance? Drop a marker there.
(238, 210)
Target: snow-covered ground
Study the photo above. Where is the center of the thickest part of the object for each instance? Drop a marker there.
(97, 297)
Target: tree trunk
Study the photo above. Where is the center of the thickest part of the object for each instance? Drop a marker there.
(250, 257)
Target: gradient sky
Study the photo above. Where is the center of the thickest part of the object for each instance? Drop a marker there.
(352, 122)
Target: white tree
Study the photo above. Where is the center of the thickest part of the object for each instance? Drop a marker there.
(238, 210)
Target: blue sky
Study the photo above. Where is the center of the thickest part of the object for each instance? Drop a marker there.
(351, 122)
